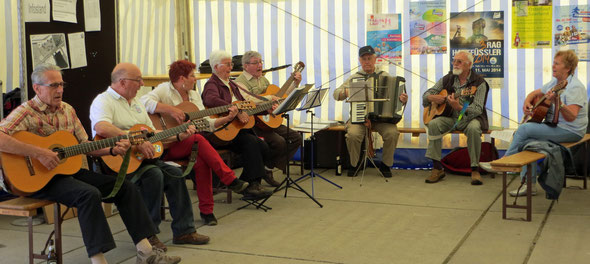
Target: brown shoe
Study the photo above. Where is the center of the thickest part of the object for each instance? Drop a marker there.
(155, 242)
(270, 180)
(192, 238)
(476, 178)
(435, 176)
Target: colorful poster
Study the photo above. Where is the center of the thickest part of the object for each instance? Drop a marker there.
(530, 21)
(384, 34)
(428, 30)
(572, 29)
(482, 34)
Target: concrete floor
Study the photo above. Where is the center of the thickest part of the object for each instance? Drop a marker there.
(400, 221)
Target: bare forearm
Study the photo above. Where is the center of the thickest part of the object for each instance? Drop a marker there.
(106, 130)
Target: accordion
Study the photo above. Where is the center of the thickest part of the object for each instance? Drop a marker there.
(383, 103)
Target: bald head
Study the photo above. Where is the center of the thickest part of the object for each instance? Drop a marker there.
(124, 70)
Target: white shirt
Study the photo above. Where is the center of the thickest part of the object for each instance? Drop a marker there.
(166, 93)
(111, 107)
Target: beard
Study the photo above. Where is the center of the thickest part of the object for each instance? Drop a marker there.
(457, 71)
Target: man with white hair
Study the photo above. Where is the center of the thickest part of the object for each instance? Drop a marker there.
(465, 89)
(220, 90)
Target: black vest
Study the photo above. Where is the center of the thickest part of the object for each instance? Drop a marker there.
(474, 80)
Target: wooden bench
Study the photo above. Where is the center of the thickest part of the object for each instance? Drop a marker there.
(23, 206)
(515, 162)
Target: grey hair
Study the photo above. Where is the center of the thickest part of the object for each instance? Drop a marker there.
(118, 74)
(468, 54)
(249, 55)
(216, 57)
(38, 75)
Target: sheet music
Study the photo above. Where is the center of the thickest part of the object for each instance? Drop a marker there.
(504, 135)
(312, 100)
(293, 99)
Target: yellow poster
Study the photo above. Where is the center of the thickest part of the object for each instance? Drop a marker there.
(530, 21)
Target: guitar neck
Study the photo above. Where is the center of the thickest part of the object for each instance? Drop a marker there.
(208, 112)
(263, 107)
(200, 125)
(91, 146)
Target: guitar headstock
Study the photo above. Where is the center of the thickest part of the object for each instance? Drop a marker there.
(200, 124)
(137, 137)
(559, 86)
(245, 105)
(299, 66)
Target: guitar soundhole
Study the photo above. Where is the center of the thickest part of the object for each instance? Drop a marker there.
(30, 165)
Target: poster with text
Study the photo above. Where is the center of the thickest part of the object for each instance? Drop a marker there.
(572, 28)
(530, 21)
(384, 34)
(481, 34)
(428, 30)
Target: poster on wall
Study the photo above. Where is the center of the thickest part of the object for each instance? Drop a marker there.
(481, 34)
(428, 30)
(51, 49)
(572, 28)
(530, 20)
(384, 34)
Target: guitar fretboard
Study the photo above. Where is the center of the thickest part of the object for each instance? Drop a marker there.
(208, 112)
(91, 146)
(200, 125)
(263, 107)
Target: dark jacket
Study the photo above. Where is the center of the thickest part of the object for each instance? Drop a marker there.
(474, 80)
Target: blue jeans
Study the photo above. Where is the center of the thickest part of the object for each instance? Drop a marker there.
(540, 132)
(153, 183)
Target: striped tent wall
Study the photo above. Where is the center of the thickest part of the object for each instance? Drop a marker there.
(147, 36)
(326, 35)
(9, 46)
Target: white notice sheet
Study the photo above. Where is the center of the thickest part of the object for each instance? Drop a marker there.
(36, 10)
(64, 10)
(77, 50)
(92, 15)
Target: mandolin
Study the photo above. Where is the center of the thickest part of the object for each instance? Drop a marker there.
(541, 105)
(26, 175)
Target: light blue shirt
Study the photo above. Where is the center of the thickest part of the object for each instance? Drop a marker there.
(574, 93)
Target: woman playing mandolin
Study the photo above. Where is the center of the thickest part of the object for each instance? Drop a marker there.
(567, 115)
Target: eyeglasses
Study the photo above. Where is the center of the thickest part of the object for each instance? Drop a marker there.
(457, 62)
(231, 64)
(55, 85)
(256, 62)
(139, 80)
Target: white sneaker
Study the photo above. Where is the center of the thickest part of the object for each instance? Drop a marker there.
(487, 166)
(522, 191)
(157, 256)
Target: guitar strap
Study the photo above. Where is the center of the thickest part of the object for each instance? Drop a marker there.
(556, 105)
(120, 176)
(189, 166)
(252, 94)
(461, 114)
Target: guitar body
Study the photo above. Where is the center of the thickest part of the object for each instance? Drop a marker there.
(164, 121)
(434, 109)
(114, 162)
(27, 175)
(539, 112)
(230, 131)
(269, 121)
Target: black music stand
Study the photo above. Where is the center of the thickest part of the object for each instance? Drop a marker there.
(289, 104)
(362, 91)
(314, 99)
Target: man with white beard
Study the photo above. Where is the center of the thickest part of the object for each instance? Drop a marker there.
(465, 102)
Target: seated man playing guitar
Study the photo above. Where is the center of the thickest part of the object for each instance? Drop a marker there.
(571, 117)
(46, 114)
(116, 110)
(283, 142)
(355, 133)
(464, 109)
(219, 90)
(162, 100)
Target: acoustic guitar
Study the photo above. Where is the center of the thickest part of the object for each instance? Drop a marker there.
(541, 105)
(26, 175)
(191, 112)
(434, 110)
(114, 162)
(270, 121)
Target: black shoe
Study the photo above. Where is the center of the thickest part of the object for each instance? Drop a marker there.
(209, 219)
(386, 170)
(270, 180)
(238, 185)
